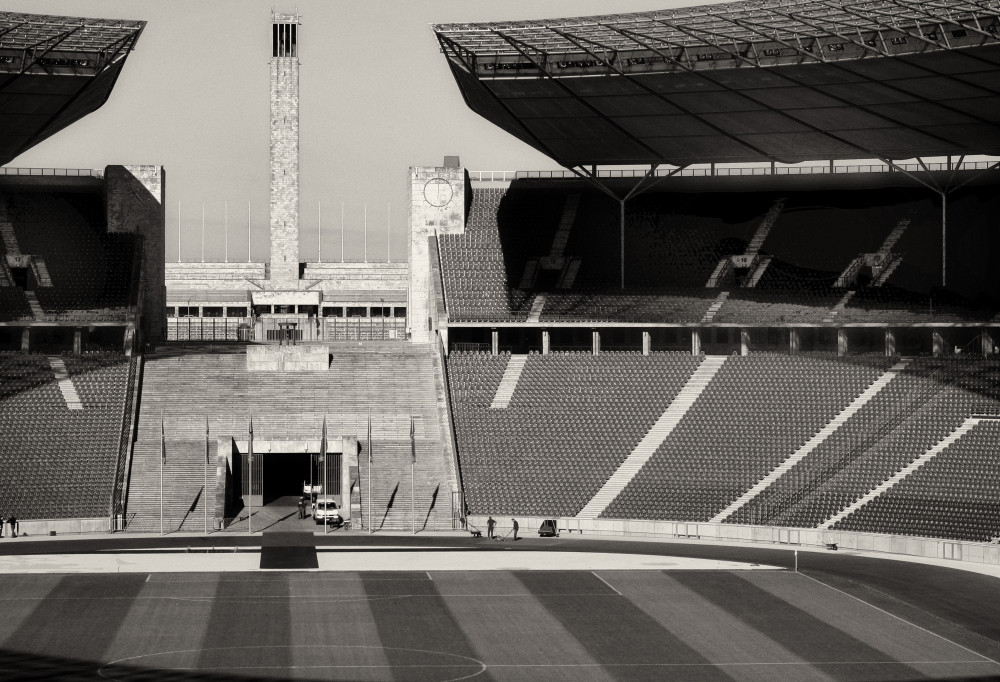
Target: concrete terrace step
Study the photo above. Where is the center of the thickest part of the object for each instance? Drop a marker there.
(932, 452)
(536, 308)
(815, 441)
(511, 375)
(657, 433)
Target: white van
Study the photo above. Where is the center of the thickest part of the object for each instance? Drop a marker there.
(326, 511)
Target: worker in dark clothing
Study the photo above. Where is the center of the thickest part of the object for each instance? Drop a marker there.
(489, 527)
(14, 525)
(302, 506)
(514, 521)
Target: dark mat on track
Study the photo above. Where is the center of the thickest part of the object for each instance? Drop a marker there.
(283, 550)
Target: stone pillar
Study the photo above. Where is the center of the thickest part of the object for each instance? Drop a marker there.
(841, 343)
(937, 344)
(793, 341)
(77, 341)
(495, 342)
(284, 192)
(890, 343)
(647, 343)
(744, 342)
(437, 207)
(595, 341)
(695, 342)
(26, 340)
(545, 342)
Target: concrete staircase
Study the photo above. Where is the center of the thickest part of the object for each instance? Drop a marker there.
(561, 236)
(814, 442)
(662, 428)
(568, 275)
(716, 305)
(511, 375)
(850, 273)
(894, 236)
(932, 452)
(66, 386)
(529, 275)
(393, 380)
(838, 306)
(753, 248)
(36, 308)
(41, 272)
(887, 271)
(7, 230)
(758, 272)
(722, 268)
(535, 314)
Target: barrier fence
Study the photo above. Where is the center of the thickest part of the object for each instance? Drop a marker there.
(876, 543)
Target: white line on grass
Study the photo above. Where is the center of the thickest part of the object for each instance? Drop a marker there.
(606, 583)
(899, 618)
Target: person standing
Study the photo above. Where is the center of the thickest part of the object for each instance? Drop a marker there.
(14, 525)
(489, 527)
(302, 506)
(514, 521)
(3, 522)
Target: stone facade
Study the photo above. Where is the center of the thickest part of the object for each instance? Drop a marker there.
(134, 198)
(284, 202)
(437, 206)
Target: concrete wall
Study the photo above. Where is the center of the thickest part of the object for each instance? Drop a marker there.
(437, 206)
(134, 200)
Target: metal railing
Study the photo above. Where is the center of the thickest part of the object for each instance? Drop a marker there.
(714, 170)
(54, 172)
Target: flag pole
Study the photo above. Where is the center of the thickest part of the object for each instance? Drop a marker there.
(207, 458)
(163, 457)
(326, 480)
(413, 490)
(250, 492)
(370, 529)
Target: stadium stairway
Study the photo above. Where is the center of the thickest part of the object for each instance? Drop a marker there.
(839, 307)
(935, 450)
(662, 428)
(716, 304)
(813, 442)
(511, 375)
(66, 386)
(394, 381)
(758, 272)
(535, 314)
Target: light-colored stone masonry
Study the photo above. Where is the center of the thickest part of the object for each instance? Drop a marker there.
(284, 195)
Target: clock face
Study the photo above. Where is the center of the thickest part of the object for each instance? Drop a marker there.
(438, 192)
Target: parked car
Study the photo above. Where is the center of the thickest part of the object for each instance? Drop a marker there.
(548, 529)
(326, 511)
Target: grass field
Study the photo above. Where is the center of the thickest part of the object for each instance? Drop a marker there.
(442, 625)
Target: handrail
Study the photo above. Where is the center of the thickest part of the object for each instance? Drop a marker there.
(714, 170)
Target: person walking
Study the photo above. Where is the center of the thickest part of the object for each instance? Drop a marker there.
(302, 506)
(514, 521)
(489, 527)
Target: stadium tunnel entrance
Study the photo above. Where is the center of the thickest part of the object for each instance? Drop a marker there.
(281, 471)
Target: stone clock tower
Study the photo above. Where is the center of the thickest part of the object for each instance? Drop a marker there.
(437, 206)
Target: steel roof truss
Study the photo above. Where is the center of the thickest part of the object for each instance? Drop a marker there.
(519, 46)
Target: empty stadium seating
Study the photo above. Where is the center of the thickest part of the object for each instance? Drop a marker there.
(57, 462)
(572, 420)
(90, 270)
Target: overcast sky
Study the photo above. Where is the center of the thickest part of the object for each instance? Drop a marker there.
(376, 98)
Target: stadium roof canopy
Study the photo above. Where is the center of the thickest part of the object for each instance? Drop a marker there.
(771, 80)
(54, 71)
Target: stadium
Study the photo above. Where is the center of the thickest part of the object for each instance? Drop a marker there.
(740, 356)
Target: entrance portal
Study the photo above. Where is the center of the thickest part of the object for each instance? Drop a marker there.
(283, 477)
